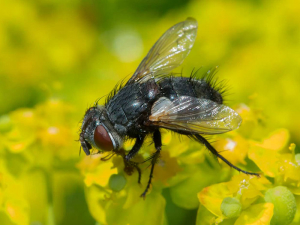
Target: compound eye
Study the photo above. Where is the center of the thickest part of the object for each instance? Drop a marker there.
(102, 139)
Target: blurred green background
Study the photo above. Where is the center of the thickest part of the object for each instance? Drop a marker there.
(77, 50)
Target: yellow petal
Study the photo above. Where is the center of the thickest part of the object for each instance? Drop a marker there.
(234, 149)
(211, 197)
(148, 212)
(277, 140)
(166, 168)
(249, 120)
(267, 160)
(258, 214)
(292, 147)
(204, 217)
(242, 186)
(101, 174)
(18, 211)
(96, 199)
(289, 168)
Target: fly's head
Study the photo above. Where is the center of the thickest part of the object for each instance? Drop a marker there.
(97, 131)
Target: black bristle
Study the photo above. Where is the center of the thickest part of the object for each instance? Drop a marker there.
(221, 86)
(115, 90)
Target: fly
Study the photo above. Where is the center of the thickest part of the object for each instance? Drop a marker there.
(153, 99)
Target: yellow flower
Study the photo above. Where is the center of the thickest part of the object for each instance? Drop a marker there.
(246, 188)
(22, 131)
(165, 168)
(257, 214)
(281, 162)
(12, 198)
(96, 171)
(234, 149)
(112, 198)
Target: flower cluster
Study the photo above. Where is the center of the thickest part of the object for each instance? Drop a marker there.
(39, 161)
(271, 198)
(188, 172)
(35, 144)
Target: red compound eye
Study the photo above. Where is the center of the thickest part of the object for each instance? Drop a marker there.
(102, 139)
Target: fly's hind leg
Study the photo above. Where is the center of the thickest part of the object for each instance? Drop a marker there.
(201, 139)
(158, 144)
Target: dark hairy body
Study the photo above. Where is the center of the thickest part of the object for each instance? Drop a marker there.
(130, 108)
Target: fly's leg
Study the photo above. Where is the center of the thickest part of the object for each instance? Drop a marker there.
(108, 157)
(201, 139)
(85, 145)
(129, 166)
(150, 178)
(137, 146)
(139, 172)
(158, 144)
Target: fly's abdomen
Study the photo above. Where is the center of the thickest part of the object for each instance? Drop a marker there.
(174, 87)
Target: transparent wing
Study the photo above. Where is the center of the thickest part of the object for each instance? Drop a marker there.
(168, 52)
(194, 115)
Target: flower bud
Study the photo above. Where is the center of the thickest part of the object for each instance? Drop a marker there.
(284, 205)
(231, 207)
(117, 182)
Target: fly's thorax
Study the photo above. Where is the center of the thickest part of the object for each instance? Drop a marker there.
(151, 90)
(98, 130)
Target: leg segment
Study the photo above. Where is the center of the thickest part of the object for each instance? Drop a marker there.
(108, 157)
(214, 151)
(130, 166)
(157, 144)
(157, 140)
(129, 169)
(85, 145)
(137, 146)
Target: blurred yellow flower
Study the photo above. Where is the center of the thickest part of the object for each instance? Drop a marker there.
(12, 198)
(275, 159)
(96, 171)
(56, 57)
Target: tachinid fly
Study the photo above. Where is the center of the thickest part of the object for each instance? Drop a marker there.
(153, 98)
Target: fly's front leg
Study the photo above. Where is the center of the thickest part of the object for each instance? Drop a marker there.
(130, 166)
(158, 144)
(85, 145)
(137, 146)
